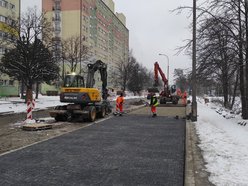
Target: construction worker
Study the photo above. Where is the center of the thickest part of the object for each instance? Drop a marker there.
(179, 93)
(119, 104)
(154, 104)
(184, 97)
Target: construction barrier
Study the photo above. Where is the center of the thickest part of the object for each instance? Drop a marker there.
(30, 107)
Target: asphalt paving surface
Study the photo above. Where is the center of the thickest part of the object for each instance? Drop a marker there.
(128, 150)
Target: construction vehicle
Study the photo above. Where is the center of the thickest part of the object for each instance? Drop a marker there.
(168, 94)
(84, 100)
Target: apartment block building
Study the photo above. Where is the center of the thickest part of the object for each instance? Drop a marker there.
(101, 29)
(9, 10)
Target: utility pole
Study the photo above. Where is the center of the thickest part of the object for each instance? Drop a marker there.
(80, 49)
(194, 103)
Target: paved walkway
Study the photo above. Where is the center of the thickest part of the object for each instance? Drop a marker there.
(130, 150)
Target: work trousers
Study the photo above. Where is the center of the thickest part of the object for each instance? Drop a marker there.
(119, 107)
(153, 109)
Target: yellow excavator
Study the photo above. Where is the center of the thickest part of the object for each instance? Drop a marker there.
(85, 102)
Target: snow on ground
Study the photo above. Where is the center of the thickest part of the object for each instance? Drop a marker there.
(17, 105)
(224, 142)
(223, 137)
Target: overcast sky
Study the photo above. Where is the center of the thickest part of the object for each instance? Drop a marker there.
(153, 29)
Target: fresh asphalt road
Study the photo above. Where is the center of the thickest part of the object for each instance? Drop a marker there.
(134, 149)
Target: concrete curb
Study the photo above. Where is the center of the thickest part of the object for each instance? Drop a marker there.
(195, 170)
(189, 177)
(6, 113)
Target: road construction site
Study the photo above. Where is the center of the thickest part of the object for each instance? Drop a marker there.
(134, 149)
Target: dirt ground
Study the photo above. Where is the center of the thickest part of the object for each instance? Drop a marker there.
(12, 136)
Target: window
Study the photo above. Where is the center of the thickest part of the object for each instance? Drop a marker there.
(57, 16)
(57, 5)
(2, 50)
(3, 3)
(9, 21)
(57, 26)
(2, 34)
(3, 19)
(74, 81)
(11, 82)
(11, 6)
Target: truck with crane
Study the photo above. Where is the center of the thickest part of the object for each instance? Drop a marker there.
(83, 100)
(168, 94)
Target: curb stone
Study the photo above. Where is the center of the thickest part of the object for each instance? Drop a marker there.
(195, 170)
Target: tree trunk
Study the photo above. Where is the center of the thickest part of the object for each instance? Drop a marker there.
(29, 93)
(234, 91)
(225, 80)
(37, 90)
(246, 58)
(225, 93)
(241, 67)
(22, 90)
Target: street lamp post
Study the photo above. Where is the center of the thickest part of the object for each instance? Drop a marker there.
(168, 65)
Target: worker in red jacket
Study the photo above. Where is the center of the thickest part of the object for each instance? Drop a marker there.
(179, 93)
(119, 104)
(184, 97)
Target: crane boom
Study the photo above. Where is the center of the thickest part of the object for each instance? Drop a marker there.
(156, 70)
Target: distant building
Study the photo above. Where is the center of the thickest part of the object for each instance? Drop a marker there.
(9, 10)
(102, 31)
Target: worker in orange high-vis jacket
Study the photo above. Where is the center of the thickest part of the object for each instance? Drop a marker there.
(119, 104)
(184, 97)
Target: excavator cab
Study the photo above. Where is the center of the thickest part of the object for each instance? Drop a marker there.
(73, 80)
(173, 89)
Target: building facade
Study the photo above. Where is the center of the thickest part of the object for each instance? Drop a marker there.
(100, 29)
(9, 10)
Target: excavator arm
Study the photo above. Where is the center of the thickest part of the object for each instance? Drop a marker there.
(156, 70)
(92, 68)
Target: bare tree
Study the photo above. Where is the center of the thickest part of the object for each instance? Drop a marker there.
(182, 80)
(139, 79)
(121, 74)
(131, 75)
(222, 44)
(72, 54)
(217, 55)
